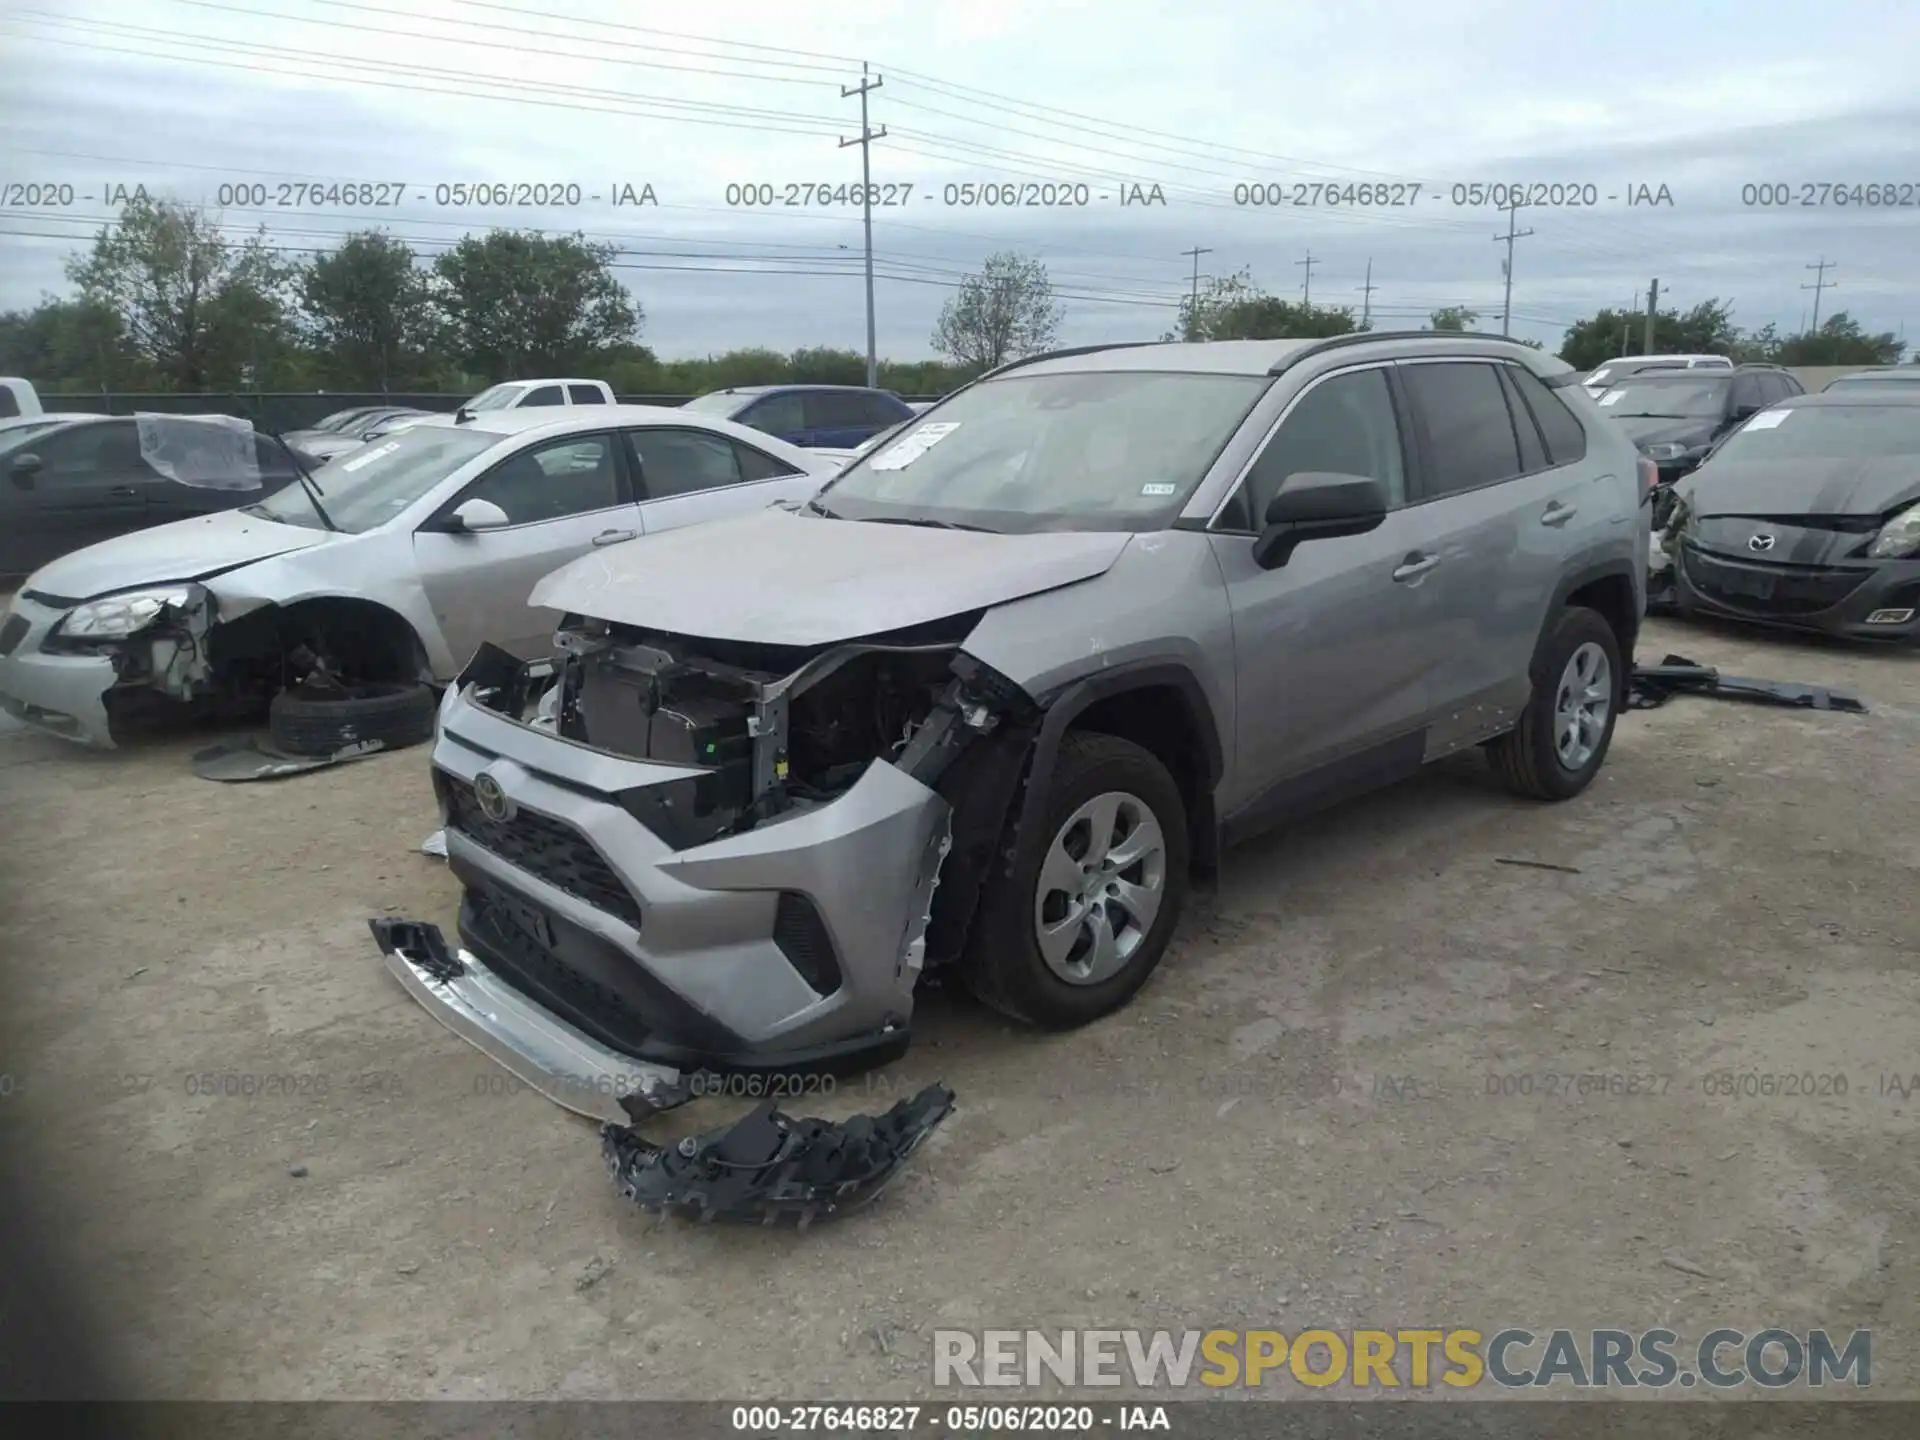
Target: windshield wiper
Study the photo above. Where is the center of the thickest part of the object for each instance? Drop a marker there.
(927, 523)
(1655, 415)
(307, 483)
(817, 508)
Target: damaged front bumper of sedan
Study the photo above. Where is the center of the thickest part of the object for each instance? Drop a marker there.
(685, 858)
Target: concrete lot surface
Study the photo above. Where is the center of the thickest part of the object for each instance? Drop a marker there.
(1340, 1103)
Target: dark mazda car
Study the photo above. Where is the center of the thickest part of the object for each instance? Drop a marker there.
(1809, 517)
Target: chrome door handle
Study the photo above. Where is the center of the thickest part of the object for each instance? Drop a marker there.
(1415, 565)
(614, 537)
(1558, 514)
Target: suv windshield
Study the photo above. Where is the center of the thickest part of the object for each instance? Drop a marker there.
(1102, 450)
(365, 488)
(1685, 395)
(717, 402)
(500, 397)
(1825, 432)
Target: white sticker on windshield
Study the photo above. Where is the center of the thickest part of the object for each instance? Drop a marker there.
(1612, 397)
(911, 446)
(1158, 488)
(1768, 419)
(367, 459)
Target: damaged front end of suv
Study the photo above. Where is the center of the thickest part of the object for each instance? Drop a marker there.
(688, 857)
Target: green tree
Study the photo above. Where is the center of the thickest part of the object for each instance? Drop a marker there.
(523, 305)
(370, 312)
(66, 345)
(1841, 341)
(1706, 329)
(1232, 307)
(1004, 312)
(1452, 318)
(202, 311)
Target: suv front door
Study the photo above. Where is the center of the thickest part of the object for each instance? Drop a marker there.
(562, 498)
(1500, 517)
(1331, 649)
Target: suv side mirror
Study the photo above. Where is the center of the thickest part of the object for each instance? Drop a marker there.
(471, 517)
(23, 469)
(1318, 505)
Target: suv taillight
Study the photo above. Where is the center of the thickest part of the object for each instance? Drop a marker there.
(1649, 477)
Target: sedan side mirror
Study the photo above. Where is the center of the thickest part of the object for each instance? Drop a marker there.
(1318, 505)
(23, 469)
(471, 517)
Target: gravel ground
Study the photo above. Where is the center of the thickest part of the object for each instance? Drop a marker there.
(1298, 1123)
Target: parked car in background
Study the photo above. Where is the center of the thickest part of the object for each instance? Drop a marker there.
(1675, 416)
(1874, 381)
(355, 431)
(515, 393)
(12, 429)
(1808, 517)
(986, 700)
(80, 482)
(1615, 371)
(386, 568)
(832, 416)
(18, 397)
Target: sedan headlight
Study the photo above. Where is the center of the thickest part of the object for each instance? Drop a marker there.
(118, 616)
(1898, 537)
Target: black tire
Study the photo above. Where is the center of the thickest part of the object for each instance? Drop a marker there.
(1003, 965)
(316, 721)
(1525, 758)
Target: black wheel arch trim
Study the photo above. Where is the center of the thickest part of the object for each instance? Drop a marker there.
(1075, 699)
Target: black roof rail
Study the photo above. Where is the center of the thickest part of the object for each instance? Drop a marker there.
(1064, 354)
(1363, 337)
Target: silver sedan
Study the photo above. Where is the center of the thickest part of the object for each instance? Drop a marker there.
(393, 563)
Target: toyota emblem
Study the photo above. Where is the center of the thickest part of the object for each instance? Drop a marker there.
(494, 802)
(1762, 542)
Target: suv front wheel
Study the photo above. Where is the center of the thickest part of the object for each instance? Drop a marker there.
(1563, 734)
(1070, 934)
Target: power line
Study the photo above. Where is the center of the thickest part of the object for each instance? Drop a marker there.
(867, 136)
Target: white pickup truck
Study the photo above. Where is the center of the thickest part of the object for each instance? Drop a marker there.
(514, 394)
(17, 398)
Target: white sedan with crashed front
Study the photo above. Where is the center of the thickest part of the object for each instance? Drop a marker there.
(389, 564)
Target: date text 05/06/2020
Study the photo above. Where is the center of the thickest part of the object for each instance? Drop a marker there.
(1063, 194)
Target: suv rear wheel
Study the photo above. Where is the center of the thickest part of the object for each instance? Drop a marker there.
(1069, 935)
(1563, 734)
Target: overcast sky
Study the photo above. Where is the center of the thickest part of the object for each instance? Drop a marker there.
(187, 96)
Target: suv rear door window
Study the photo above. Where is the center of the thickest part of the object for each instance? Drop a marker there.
(1469, 429)
(1533, 449)
(1566, 437)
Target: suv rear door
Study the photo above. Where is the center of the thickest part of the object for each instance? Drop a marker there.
(1498, 516)
(1331, 649)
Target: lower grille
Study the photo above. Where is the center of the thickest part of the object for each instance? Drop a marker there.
(801, 935)
(12, 633)
(547, 849)
(1778, 589)
(543, 977)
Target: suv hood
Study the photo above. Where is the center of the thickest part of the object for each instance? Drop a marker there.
(1806, 487)
(781, 577)
(185, 550)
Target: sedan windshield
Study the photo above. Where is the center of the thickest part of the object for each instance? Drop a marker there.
(365, 488)
(1825, 432)
(500, 397)
(1690, 395)
(1106, 450)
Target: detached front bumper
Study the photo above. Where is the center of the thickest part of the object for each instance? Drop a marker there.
(60, 695)
(794, 946)
(1877, 600)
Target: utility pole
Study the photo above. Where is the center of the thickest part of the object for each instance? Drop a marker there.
(865, 142)
(1306, 288)
(1820, 284)
(1366, 296)
(1653, 308)
(1626, 322)
(1193, 305)
(1506, 266)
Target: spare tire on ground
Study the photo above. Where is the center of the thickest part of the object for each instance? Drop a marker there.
(324, 719)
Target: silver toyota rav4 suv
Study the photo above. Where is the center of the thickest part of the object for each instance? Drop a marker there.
(999, 693)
